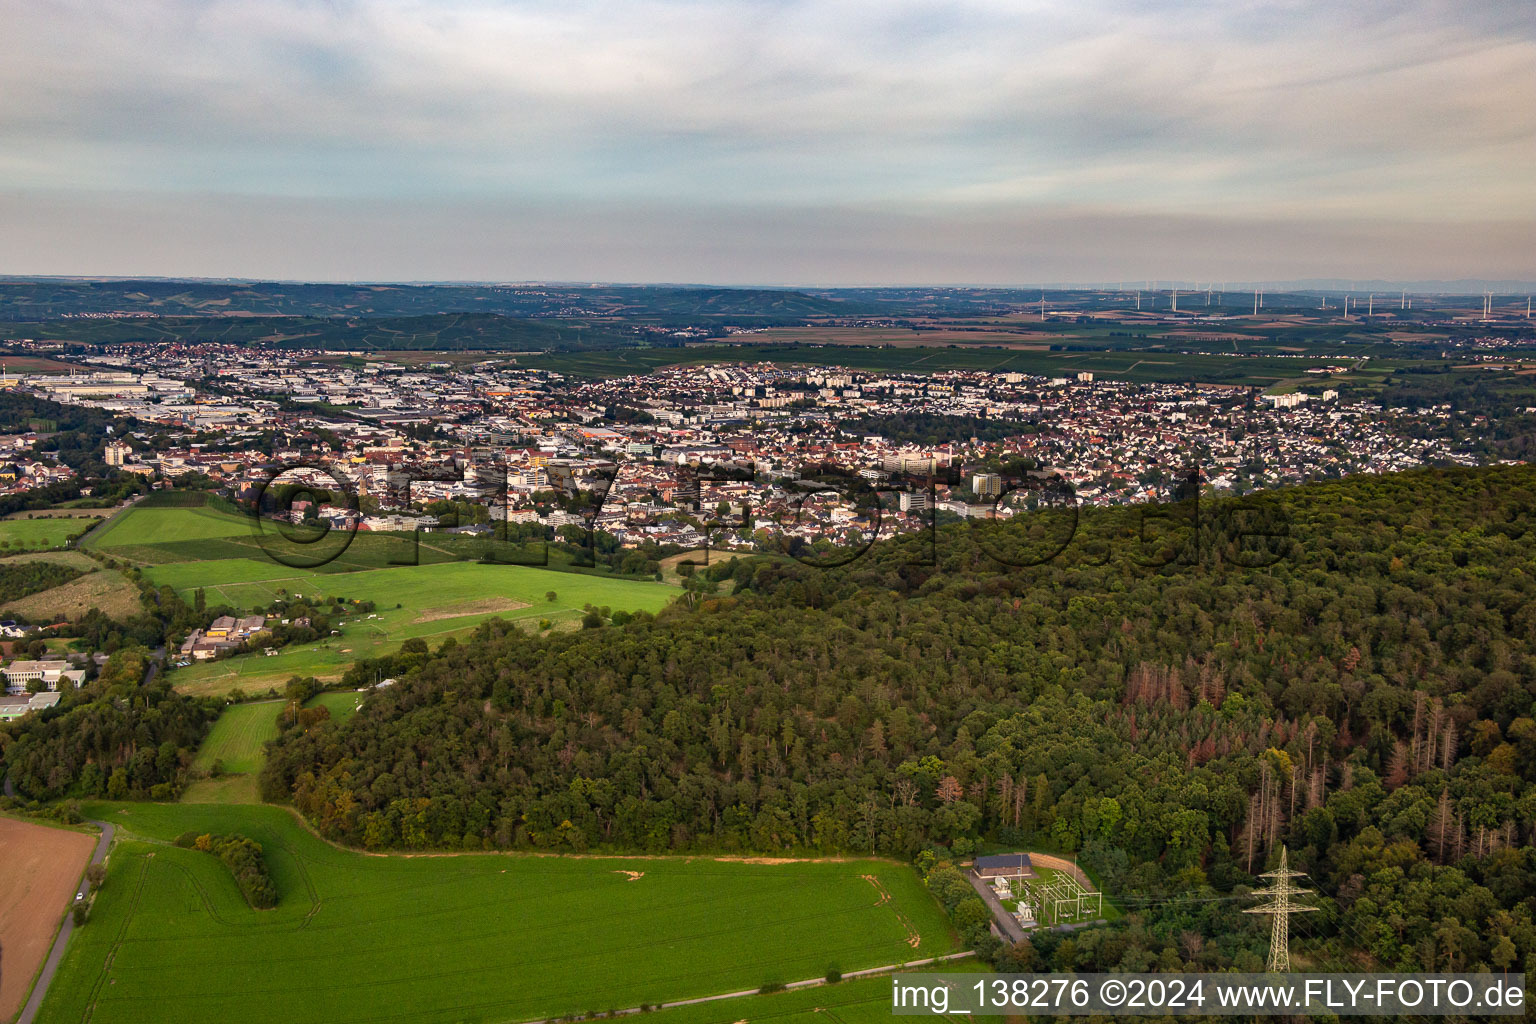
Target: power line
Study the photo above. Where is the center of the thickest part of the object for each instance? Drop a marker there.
(1280, 908)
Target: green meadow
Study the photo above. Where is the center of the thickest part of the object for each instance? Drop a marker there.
(437, 939)
(431, 602)
(172, 527)
(237, 746)
(236, 739)
(424, 586)
(154, 523)
(41, 533)
(343, 705)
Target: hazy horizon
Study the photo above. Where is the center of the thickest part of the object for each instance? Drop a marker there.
(847, 143)
(1452, 289)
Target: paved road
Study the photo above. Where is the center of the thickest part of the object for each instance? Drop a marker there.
(1006, 922)
(156, 659)
(93, 531)
(56, 954)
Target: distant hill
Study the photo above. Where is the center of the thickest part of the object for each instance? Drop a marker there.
(437, 332)
(25, 299)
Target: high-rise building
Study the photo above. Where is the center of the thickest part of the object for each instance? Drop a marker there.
(986, 485)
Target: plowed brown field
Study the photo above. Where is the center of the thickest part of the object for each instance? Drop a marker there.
(39, 867)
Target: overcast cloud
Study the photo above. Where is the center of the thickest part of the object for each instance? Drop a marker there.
(766, 142)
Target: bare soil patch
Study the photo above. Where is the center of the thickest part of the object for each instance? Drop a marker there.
(42, 867)
(480, 607)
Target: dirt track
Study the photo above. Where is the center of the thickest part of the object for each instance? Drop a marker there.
(42, 866)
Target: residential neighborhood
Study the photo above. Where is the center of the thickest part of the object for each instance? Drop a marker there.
(719, 455)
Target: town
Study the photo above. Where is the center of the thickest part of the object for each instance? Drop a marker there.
(725, 456)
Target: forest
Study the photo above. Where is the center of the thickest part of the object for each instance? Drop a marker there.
(117, 736)
(1170, 693)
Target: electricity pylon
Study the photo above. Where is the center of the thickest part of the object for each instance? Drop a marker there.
(1280, 908)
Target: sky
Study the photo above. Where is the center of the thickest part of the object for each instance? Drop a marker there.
(769, 141)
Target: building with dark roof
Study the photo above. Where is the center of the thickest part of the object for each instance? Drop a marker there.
(1004, 865)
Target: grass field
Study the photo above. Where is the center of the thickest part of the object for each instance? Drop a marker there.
(21, 534)
(343, 705)
(698, 556)
(73, 559)
(492, 937)
(423, 586)
(858, 1001)
(156, 524)
(237, 741)
(189, 526)
(236, 738)
(435, 602)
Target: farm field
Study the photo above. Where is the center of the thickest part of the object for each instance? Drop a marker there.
(509, 937)
(40, 533)
(19, 363)
(1023, 335)
(434, 602)
(42, 867)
